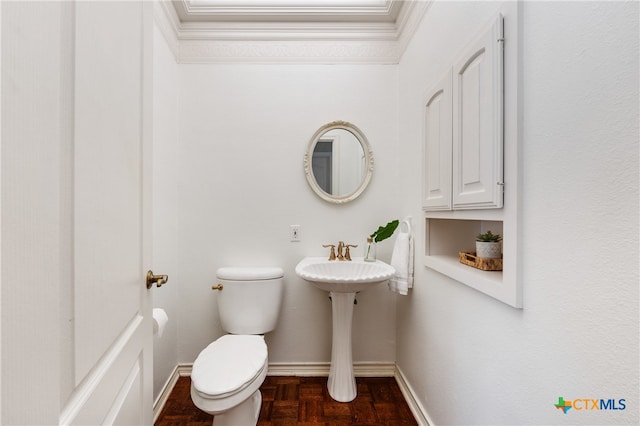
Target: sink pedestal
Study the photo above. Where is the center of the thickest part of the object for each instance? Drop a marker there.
(342, 383)
(342, 280)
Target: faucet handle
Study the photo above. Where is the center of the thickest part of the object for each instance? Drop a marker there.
(347, 254)
(332, 256)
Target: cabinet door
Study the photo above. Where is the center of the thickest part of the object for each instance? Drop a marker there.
(478, 122)
(437, 147)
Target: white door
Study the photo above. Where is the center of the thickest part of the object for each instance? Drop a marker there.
(112, 350)
(437, 147)
(112, 324)
(478, 122)
(76, 135)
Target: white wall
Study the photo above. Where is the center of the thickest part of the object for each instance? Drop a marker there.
(165, 205)
(243, 132)
(473, 360)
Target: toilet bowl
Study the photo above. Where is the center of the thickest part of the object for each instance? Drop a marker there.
(227, 374)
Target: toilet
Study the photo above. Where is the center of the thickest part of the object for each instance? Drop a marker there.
(227, 374)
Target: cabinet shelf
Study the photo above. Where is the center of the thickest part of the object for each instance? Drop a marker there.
(494, 215)
(446, 237)
(450, 266)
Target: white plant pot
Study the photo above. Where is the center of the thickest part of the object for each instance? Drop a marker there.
(487, 250)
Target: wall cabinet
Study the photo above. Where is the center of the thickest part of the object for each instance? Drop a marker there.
(463, 162)
(471, 118)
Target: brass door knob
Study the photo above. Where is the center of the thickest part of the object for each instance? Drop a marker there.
(158, 280)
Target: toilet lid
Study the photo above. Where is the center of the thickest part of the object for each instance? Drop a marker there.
(249, 274)
(229, 364)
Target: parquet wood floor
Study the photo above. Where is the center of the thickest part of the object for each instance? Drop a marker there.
(304, 401)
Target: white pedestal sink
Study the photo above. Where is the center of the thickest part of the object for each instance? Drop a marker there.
(342, 279)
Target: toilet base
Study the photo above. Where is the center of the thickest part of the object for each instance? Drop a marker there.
(244, 414)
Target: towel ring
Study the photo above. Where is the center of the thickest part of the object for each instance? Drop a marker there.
(406, 222)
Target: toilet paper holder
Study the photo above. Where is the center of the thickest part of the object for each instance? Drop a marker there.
(158, 280)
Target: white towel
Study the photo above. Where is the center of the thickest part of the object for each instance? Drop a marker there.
(402, 261)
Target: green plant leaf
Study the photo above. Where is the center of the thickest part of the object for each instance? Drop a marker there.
(384, 232)
(489, 237)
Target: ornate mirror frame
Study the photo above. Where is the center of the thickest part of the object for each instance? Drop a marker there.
(368, 162)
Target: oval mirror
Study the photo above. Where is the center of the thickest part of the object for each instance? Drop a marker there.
(338, 162)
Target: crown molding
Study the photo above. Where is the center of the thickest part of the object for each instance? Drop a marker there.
(317, 42)
(168, 23)
(310, 52)
(288, 10)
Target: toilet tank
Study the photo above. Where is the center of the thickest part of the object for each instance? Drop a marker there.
(249, 302)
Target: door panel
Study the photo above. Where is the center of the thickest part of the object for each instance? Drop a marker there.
(437, 147)
(112, 333)
(478, 122)
(107, 177)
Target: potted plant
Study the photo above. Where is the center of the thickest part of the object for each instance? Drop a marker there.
(488, 245)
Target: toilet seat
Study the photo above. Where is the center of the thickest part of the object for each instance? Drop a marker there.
(229, 365)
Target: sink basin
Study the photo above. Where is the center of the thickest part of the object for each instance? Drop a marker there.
(343, 276)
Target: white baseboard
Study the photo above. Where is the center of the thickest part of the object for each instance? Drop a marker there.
(319, 369)
(419, 412)
(178, 371)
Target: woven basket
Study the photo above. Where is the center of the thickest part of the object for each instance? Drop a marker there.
(480, 263)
